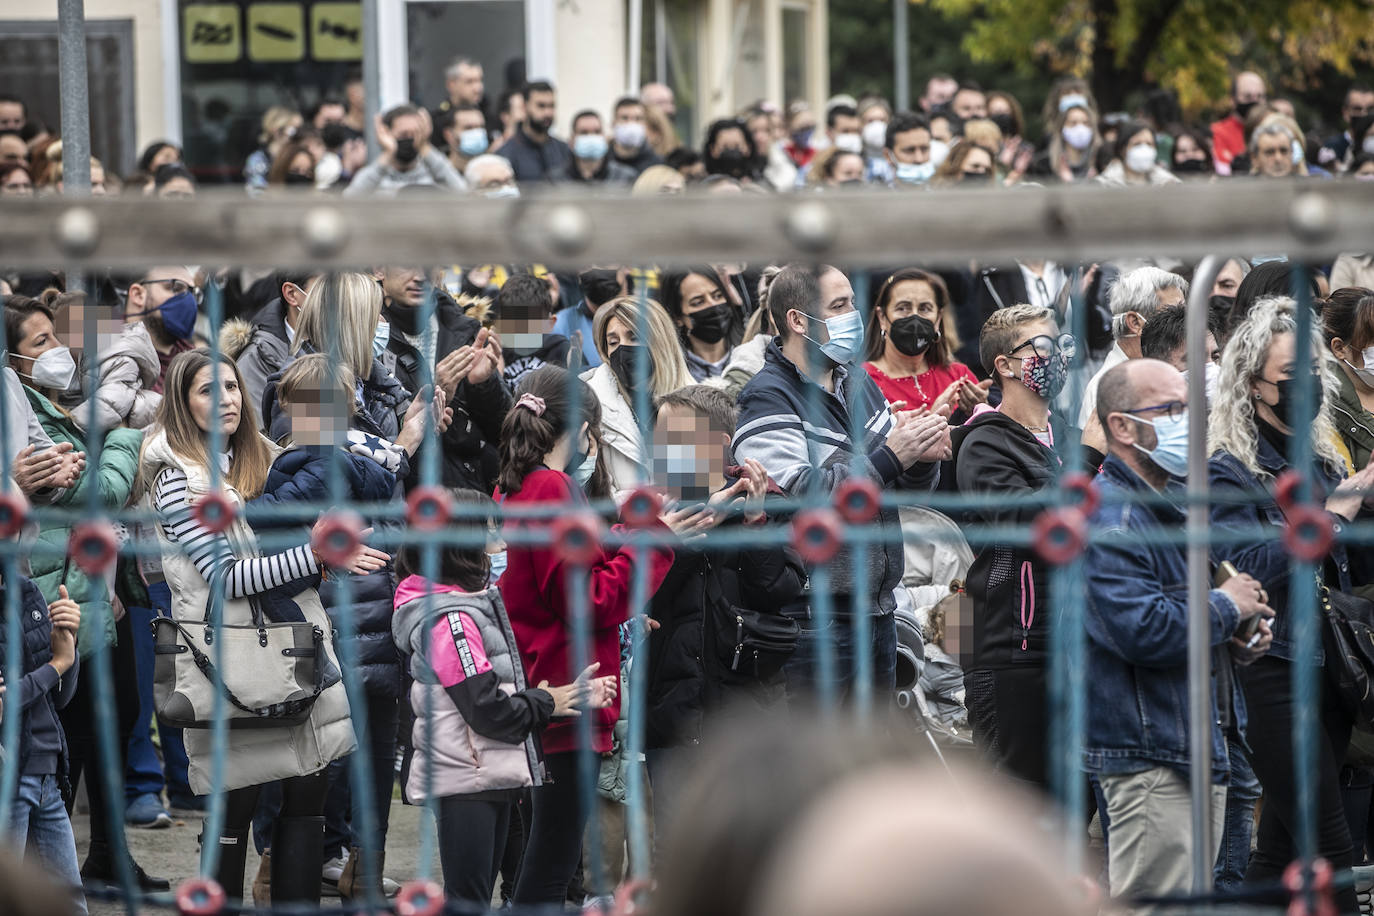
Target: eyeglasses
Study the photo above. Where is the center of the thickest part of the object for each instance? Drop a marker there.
(1046, 346)
(178, 287)
(1174, 410)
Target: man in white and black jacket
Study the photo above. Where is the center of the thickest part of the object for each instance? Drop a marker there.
(794, 419)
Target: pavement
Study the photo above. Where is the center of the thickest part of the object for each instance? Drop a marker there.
(174, 853)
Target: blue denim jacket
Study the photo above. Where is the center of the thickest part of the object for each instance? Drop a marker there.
(1137, 626)
(1242, 502)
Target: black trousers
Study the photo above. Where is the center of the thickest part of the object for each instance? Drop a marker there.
(83, 742)
(1269, 699)
(556, 827)
(302, 796)
(1008, 712)
(472, 837)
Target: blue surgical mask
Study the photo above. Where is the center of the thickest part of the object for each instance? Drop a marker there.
(915, 172)
(1171, 448)
(498, 566)
(584, 471)
(473, 141)
(590, 146)
(381, 338)
(179, 315)
(846, 337)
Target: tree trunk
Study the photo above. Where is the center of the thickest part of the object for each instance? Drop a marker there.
(1107, 82)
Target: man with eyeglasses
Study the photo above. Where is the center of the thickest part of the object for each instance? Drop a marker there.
(1137, 743)
(1007, 456)
(166, 301)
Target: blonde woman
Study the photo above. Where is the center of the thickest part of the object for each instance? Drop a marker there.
(1253, 420)
(175, 467)
(621, 327)
(658, 180)
(279, 127)
(662, 135)
(341, 317)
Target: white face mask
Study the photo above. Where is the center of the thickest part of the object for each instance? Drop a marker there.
(875, 134)
(1366, 374)
(1368, 145)
(939, 152)
(53, 368)
(849, 143)
(1141, 158)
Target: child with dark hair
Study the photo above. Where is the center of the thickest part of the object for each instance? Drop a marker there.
(548, 454)
(476, 715)
(523, 317)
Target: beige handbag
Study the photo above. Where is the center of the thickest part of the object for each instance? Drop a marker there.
(270, 673)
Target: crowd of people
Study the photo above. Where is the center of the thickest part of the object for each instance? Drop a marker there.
(959, 134)
(737, 391)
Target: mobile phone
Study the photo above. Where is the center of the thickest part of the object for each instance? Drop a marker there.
(1248, 627)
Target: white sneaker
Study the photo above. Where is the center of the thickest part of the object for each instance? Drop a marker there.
(390, 888)
(329, 877)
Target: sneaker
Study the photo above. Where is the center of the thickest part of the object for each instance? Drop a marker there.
(333, 871)
(390, 888)
(146, 811)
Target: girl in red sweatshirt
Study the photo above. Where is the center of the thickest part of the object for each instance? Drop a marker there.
(546, 460)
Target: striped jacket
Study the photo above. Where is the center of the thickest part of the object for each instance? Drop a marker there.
(800, 433)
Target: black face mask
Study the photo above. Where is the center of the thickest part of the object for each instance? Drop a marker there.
(599, 285)
(406, 152)
(622, 363)
(710, 325)
(1286, 410)
(1004, 123)
(730, 162)
(1243, 109)
(1193, 166)
(913, 334)
(975, 178)
(296, 178)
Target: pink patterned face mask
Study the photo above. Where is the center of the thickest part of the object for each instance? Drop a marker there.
(1045, 376)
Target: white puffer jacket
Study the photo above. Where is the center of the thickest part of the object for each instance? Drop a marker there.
(129, 369)
(256, 755)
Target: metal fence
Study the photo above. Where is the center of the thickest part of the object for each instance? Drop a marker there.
(1310, 222)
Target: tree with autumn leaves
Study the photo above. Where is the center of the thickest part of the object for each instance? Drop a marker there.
(1307, 48)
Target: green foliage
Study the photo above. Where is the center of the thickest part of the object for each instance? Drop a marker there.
(1310, 50)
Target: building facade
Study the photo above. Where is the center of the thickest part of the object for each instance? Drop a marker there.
(201, 72)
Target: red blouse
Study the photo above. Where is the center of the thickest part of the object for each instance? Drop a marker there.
(920, 390)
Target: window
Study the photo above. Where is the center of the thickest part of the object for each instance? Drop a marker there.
(796, 26)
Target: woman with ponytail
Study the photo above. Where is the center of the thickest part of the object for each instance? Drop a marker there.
(549, 454)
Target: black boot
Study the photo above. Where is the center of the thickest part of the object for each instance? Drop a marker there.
(100, 870)
(233, 857)
(297, 859)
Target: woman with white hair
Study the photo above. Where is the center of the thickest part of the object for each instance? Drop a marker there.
(1253, 420)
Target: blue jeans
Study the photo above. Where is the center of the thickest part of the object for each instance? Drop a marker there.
(1239, 824)
(39, 821)
(143, 772)
(142, 755)
(803, 668)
